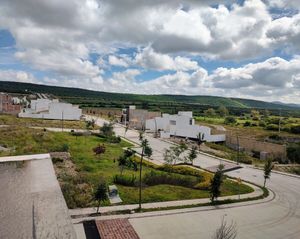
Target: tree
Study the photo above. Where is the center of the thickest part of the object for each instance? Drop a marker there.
(90, 124)
(267, 169)
(200, 139)
(293, 153)
(226, 232)
(255, 114)
(146, 151)
(100, 149)
(229, 120)
(107, 130)
(192, 154)
(215, 184)
(223, 111)
(210, 112)
(100, 194)
(125, 161)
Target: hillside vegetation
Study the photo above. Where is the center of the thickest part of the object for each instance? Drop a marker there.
(167, 103)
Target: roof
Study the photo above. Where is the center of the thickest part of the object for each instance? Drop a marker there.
(31, 202)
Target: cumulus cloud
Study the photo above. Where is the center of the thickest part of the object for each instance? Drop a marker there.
(60, 36)
(150, 59)
(19, 76)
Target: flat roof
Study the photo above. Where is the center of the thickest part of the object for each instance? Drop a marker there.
(31, 201)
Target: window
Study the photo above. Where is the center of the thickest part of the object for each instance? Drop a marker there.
(172, 122)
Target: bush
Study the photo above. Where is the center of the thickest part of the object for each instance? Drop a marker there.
(275, 137)
(229, 120)
(62, 148)
(100, 149)
(262, 123)
(125, 180)
(114, 139)
(295, 129)
(293, 153)
(272, 127)
(155, 178)
(247, 124)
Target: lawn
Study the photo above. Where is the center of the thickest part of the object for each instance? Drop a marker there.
(80, 175)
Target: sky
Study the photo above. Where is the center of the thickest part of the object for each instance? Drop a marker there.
(242, 48)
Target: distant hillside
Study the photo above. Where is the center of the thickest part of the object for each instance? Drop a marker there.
(101, 99)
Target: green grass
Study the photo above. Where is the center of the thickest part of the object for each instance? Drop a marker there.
(78, 189)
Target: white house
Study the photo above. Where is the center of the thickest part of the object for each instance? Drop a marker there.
(181, 125)
(51, 109)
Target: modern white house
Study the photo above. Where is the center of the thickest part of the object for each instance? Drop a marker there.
(51, 109)
(181, 125)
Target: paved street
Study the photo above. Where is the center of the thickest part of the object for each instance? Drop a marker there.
(279, 218)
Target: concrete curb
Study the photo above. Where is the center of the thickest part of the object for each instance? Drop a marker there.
(191, 209)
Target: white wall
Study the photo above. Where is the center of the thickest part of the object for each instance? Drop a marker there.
(47, 109)
(182, 125)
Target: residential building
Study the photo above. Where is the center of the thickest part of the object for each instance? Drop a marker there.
(8, 105)
(51, 109)
(181, 125)
(136, 118)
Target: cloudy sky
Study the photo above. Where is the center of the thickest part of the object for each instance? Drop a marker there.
(244, 48)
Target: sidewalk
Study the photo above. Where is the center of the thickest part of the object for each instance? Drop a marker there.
(85, 212)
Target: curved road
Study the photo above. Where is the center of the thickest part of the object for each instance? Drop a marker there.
(276, 219)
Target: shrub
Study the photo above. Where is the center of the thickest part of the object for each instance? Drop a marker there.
(155, 178)
(247, 124)
(100, 149)
(114, 139)
(229, 120)
(295, 129)
(272, 127)
(293, 153)
(262, 123)
(62, 148)
(275, 137)
(125, 180)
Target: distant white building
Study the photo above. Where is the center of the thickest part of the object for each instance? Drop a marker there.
(51, 109)
(181, 125)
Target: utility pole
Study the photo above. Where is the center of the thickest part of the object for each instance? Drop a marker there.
(238, 149)
(279, 122)
(62, 121)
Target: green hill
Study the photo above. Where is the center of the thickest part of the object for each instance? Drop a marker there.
(88, 98)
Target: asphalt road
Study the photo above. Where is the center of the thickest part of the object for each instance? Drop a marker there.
(276, 219)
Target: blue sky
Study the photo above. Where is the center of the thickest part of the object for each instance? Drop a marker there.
(247, 49)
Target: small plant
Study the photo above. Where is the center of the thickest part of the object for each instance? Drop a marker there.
(226, 231)
(215, 184)
(230, 120)
(100, 149)
(90, 124)
(100, 194)
(125, 180)
(107, 130)
(192, 154)
(267, 169)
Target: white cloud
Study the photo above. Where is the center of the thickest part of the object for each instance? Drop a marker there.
(118, 61)
(150, 59)
(59, 36)
(19, 76)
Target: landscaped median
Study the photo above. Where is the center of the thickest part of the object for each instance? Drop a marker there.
(80, 214)
(80, 170)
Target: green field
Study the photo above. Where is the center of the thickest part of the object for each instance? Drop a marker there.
(80, 176)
